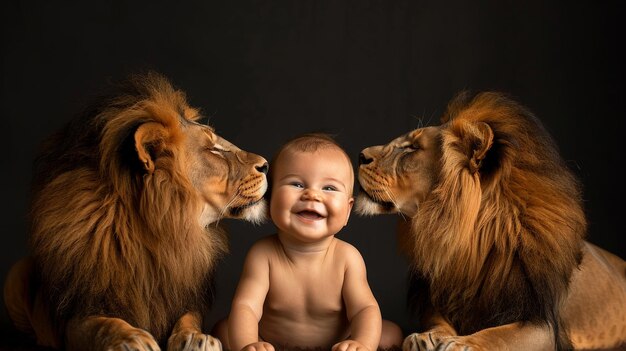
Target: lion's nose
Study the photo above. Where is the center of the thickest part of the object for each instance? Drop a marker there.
(364, 160)
(263, 168)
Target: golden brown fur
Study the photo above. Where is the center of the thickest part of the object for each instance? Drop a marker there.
(495, 231)
(124, 240)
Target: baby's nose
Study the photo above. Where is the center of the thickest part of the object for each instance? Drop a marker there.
(311, 195)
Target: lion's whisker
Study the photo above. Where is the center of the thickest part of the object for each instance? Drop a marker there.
(393, 200)
(226, 207)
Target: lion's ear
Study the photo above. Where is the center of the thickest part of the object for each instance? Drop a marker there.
(482, 136)
(149, 140)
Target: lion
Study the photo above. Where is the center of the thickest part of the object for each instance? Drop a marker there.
(493, 226)
(125, 230)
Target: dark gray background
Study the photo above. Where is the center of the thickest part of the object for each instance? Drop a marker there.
(364, 70)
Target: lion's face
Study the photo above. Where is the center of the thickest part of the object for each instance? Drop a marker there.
(398, 176)
(228, 181)
(231, 181)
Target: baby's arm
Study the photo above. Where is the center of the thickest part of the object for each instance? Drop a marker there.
(247, 305)
(362, 308)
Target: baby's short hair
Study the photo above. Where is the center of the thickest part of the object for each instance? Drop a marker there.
(308, 142)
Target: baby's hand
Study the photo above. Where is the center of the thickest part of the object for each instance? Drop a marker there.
(259, 346)
(349, 345)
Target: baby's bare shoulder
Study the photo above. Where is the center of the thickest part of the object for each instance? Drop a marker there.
(348, 252)
(264, 246)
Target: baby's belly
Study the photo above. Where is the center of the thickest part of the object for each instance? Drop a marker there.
(291, 329)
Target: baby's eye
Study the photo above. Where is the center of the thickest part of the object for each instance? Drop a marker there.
(329, 188)
(297, 184)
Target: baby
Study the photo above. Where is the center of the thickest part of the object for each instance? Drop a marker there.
(302, 287)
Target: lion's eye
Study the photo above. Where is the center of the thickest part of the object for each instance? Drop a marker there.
(412, 146)
(215, 151)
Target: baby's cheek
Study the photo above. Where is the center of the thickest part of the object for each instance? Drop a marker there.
(343, 211)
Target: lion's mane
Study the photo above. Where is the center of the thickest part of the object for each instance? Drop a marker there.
(110, 239)
(498, 245)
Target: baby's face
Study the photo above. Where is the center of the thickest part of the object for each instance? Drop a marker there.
(311, 193)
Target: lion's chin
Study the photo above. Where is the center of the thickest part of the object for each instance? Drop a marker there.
(255, 212)
(366, 206)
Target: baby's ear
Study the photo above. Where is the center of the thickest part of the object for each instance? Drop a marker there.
(268, 198)
(350, 204)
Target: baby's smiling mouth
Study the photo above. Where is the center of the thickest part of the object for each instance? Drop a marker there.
(308, 214)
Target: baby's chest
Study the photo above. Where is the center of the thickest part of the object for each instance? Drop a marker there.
(312, 293)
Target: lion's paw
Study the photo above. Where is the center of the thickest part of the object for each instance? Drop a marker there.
(136, 340)
(193, 342)
(421, 342)
(456, 343)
